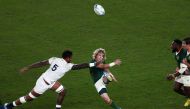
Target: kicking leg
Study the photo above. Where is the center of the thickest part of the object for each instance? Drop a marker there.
(107, 100)
(57, 87)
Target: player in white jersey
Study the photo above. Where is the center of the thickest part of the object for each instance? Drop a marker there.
(49, 79)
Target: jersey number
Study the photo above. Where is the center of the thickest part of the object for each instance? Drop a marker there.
(54, 67)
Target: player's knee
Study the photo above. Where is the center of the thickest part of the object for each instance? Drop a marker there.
(107, 100)
(63, 92)
(60, 90)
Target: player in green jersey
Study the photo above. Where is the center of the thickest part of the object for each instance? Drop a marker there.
(180, 54)
(98, 75)
(186, 74)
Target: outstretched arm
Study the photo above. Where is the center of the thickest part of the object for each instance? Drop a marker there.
(183, 69)
(106, 66)
(84, 65)
(172, 76)
(80, 66)
(34, 65)
(97, 64)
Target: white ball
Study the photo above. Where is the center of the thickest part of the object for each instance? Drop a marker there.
(109, 78)
(99, 10)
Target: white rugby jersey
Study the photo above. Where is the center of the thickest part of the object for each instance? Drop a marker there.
(58, 68)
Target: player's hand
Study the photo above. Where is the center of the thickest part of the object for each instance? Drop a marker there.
(24, 69)
(170, 77)
(117, 61)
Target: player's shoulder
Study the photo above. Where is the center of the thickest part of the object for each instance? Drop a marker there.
(92, 61)
(184, 50)
(54, 59)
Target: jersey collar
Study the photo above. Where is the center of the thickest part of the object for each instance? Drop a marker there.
(178, 51)
(188, 53)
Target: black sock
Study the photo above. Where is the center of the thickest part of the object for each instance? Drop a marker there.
(113, 105)
(10, 105)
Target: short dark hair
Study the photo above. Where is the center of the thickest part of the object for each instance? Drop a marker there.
(67, 53)
(178, 42)
(187, 40)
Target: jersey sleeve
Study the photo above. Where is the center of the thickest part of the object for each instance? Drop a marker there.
(70, 65)
(51, 59)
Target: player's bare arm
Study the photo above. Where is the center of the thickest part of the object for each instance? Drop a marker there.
(172, 76)
(34, 65)
(106, 66)
(81, 66)
(84, 65)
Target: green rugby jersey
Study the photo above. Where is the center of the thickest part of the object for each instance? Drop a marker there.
(188, 60)
(96, 73)
(188, 57)
(180, 56)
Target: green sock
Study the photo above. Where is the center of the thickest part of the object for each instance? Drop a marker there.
(113, 105)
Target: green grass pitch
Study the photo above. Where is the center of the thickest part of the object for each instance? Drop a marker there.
(137, 31)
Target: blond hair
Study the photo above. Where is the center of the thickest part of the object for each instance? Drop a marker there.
(98, 51)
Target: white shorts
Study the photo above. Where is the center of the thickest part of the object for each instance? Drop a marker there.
(179, 79)
(183, 79)
(100, 84)
(186, 80)
(41, 86)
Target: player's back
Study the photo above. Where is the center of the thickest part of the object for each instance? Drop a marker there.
(58, 68)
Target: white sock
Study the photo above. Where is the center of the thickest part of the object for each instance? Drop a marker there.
(14, 103)
(58, 106)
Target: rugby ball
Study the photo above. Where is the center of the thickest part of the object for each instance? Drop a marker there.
(99, 10)
(109, 78)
